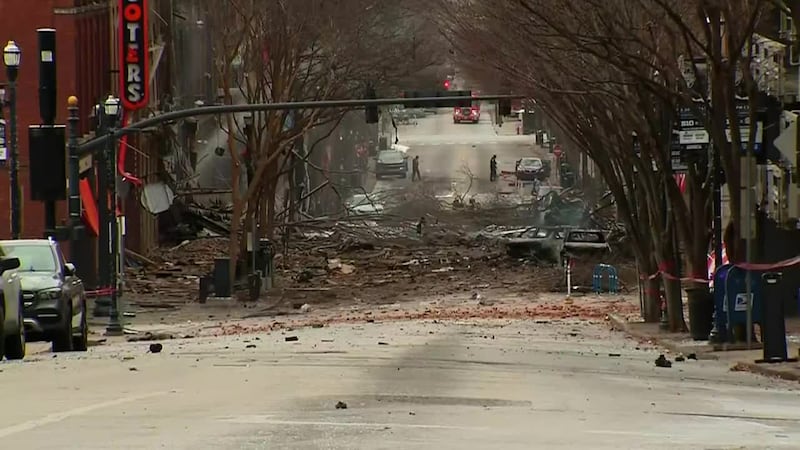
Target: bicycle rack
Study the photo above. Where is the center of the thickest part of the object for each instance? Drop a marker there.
(597, 279)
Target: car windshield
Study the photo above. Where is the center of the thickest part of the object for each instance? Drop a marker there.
(390, 157)
(32, 258)
(535, 163)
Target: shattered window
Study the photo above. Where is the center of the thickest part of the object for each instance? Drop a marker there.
(593, 238)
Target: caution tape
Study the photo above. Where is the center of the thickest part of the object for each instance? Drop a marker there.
(101, 292)
(665, 271)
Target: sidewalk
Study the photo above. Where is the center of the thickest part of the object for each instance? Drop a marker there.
(509, 127)
(738, 357)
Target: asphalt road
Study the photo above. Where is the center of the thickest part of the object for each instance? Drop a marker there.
(520, 385)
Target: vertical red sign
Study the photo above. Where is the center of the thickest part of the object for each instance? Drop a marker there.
(134, 64)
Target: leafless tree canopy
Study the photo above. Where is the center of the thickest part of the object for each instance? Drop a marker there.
(604, 70)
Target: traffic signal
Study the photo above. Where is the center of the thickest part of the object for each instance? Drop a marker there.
(447, 84)
(504, 106)
(371, 111)
(433, 103)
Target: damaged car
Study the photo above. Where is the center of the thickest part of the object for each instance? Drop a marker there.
(585, 243)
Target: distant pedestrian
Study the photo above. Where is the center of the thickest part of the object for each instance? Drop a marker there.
(420, 225)
(415, 167)
(493, 168)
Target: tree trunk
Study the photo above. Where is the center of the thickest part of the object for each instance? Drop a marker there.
(664, 252)
(236, 196)
(652, 297)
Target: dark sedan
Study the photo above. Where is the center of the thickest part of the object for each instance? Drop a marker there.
(54, 301)
(529, 169)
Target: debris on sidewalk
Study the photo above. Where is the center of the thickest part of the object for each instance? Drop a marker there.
(151, 336)
(156, 348)
(341, 405)
(662, 361)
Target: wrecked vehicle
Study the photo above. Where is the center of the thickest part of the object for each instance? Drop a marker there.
(362, 204)
(562, 209)
(585, 244)
(540, 244)
(551, 245)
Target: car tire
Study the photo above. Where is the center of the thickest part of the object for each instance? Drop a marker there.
(62, 339)
(15, 345)
(80, 343)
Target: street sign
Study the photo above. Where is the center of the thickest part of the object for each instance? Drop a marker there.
(134, 53)
(557, 151)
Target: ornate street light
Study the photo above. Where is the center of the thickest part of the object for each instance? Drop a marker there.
(11, 57)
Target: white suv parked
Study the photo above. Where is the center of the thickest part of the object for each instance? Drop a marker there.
(12, 329)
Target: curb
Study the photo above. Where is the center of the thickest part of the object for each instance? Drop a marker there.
(620, 324)
(765, 370)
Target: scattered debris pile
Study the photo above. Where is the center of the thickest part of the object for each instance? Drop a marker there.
(422, 246)
(172, 276)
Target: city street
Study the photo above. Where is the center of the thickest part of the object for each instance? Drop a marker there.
(464, 380)
(450, 152)
(466, 385)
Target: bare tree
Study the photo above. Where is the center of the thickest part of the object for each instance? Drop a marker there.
(304, 50)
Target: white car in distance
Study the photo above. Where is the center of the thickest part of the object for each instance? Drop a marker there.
(363, 205)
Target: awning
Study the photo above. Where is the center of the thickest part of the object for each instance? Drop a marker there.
(91, 216)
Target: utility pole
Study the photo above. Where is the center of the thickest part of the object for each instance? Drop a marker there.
(74, 204)
(109, 197)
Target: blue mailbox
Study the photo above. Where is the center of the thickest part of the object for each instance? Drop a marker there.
(730, 283)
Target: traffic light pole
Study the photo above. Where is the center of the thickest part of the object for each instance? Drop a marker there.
(414, 102)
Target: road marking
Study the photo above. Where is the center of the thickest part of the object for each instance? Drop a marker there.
(265, 420)
(58, 417)
(630, 433)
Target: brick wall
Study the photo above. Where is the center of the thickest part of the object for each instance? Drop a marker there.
(79, 56)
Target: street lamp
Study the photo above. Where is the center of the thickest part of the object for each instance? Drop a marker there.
(111, 108)
(11, 58)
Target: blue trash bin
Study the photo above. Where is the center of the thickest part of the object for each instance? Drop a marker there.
(730, 298)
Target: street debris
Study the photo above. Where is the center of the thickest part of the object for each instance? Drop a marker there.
(663, 362)
(341, 405)
(291, 339)
(365, 261)
(151, 336)
(156, 348)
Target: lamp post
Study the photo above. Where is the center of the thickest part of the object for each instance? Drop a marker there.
(73, 188)
(111, 108)
(11, 58)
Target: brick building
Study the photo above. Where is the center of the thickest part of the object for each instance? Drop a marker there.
(84, 70)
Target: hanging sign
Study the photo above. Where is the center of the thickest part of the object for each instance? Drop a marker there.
(133, 54)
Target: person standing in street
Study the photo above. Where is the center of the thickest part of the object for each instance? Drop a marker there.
(493, 168)
(415, 175)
